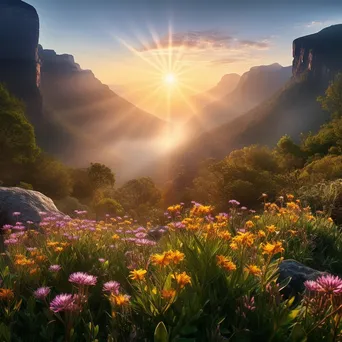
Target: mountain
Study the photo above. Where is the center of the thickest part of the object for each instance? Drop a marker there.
(226, 85)
(19, 67)
(254, 86)
(292, 110)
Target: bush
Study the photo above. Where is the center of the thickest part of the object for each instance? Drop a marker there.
(108, 206)
(69, 205)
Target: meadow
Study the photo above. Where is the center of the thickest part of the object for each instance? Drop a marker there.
(210, 277)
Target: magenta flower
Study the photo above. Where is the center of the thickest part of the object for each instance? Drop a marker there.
(41, 293)
(16, 213)
(311, 285)
(330, 284)
(64, 302)
(11, 241)
(82, 278)
(55, 268)
(102, 260)
(112, 287)
(140, 235)
(234, 202)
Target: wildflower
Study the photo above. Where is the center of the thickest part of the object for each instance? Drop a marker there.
(120, 299)
(168, 294)
(6, 294)
(293, 232)
(234, 246)
(253, 269)
(115, 237)
(330, 220)
(64, 302)
(244, 239)
(272, 248)
(312, 285)
(34, 271)
(225, 235)
(140, 235)
(41, 293)
(82, 278)
(330, 284)
(182, 279)
(271, 229)
(249, 303)
(11, 241)
(138, 274)
(58, 249)
(261, 234)
(225, 263)
(102, 260)
(160, 259)
(249, 224)
(112, 287)
(289, 197)
(234, 202)
(55, 268)
(16, 213)
(175, 256)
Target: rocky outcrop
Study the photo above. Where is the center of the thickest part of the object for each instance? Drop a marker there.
(27, 204)
(298, 275)
(19, 65)
(319, 55)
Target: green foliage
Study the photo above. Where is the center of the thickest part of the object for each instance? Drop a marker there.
(108, 206)
(25, 186)
(50, 177)
(100, 176)
(17, 139)
(68, 205)
(332, 101)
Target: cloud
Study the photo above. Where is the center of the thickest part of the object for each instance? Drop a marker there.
(226, 61)
(314, 24)
(204, 40)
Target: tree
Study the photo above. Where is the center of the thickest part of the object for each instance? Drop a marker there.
(100, 176)
(17, 140)
(332, 100)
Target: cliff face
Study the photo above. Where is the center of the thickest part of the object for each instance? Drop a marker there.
(319, 54)
(19, 66)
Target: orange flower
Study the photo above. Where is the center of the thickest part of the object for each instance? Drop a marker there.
(249, 224)
(168, 294)
(224, 235)
(293, 232)
(253, 269)
(244, 239)
(272, 228)
(261, 234)
(234, 246)
(290, 197)
(138, 274)
(225, 263)
(182, 279)
(6, 294)
(160, 259)
(272, 248)
(115, 237)
(120, 299)
(175, 256)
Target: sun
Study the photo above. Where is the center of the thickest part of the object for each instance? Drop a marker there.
(170, 79)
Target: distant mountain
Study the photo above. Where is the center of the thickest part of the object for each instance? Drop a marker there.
(254, 86)
(84, 114)
(226, 85)
(292, 110)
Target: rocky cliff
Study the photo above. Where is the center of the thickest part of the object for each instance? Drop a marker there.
(19, 66)
(319, 55)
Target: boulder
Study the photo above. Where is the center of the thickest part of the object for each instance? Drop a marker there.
(298, 273)
(26, 202)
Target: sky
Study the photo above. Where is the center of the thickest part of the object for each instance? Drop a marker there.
(132, 45)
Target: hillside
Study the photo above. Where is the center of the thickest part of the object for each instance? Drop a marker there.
(255, 86)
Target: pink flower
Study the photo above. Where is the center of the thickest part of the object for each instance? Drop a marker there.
(112, 287)
(55, 268)
(16, 213)
(311, 285)
(82, 278)
(102, 260)
(330, 284)
(41, 293)
(64, 302)
(11, 241)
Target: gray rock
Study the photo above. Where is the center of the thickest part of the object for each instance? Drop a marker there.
(29, 203)
(298, 273)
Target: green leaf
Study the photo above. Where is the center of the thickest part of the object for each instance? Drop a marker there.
(160, 334)
(189, 330)
(298, 334)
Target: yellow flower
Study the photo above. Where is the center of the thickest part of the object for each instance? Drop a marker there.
(310, 217)
(120, 299)
(293, 232)
(24, 262)
(138, 274)
(257, 217)
(289, 197)
(182, 279)
(225, 235)
(261, 234)
(292, 206)
(234, 246)
(272, 248)
(174, 208)
(175, 256)
(34, 270)
(253, 269)
(225, 263)
(115, 237)
(168, 294)
(330, 220)
(244, 239)
(272, 228)
(6, 294)
(52, 243)
(160, 259)
(58, 249)
(249, 224)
